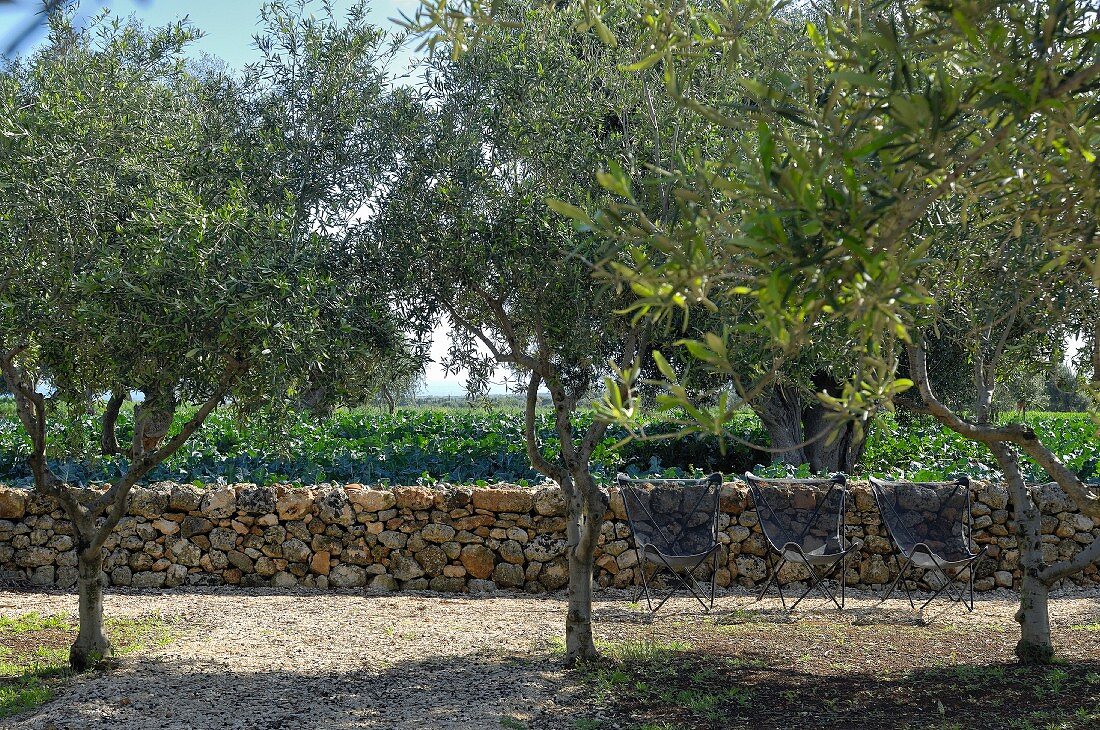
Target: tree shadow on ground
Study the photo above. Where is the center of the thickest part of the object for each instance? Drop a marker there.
(697, 691)
(455, 692)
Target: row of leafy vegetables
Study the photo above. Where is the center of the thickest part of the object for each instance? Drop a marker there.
(471, 446)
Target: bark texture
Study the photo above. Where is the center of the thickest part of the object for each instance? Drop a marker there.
(801, 431)
(108, 437)
(582, 534)
(1034, 646)
(92, 645)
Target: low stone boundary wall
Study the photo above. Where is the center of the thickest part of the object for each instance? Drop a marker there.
(444, 539)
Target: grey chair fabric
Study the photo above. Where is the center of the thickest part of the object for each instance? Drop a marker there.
(675, 527)
(803, 522)
(931, 526)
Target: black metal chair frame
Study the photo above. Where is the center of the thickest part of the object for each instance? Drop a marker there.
(939, 564)
(840, 559)
(682, 567)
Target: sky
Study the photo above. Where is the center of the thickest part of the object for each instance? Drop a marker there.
(229, 26)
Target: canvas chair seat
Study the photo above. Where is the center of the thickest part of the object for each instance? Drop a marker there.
(821, 555)
(931, 562)
(920, 516)
(803, 522)
(674, 523)
(676, 562)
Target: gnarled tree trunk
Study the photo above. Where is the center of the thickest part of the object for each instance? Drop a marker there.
(108, 437)
(91, 645)
(780, 410)
(797, 429)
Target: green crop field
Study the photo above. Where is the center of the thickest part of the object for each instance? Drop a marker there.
(472, 445)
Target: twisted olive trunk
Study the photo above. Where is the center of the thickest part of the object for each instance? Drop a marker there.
(108, 438)
(582, 532)
(1033, 615)
(781, 413)
(797, 429)
(91, 645)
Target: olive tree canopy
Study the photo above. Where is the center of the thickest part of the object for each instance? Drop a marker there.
(154, 239)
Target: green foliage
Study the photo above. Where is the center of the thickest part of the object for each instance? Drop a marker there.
(920, 448)
(371, 446)
(468, 446)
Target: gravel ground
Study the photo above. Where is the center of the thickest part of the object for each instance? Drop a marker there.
(293, 660)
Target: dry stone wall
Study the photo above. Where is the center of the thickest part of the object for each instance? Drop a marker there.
(444, 539)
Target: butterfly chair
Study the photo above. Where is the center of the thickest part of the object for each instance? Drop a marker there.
(803, 522)
(675, 527)
(931, 526)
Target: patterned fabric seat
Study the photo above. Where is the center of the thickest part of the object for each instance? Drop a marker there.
(675, 527)
(803, 522)
(931, 525)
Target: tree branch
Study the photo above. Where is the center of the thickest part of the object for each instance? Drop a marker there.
(30, 406)
(115, 497)
(1088, 502)
(918, 370)
(553, 471)
(1066, 568)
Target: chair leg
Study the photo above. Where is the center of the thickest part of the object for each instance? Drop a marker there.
(971, 586)
(686, 579)
(771, 576)
(778, 583)
(843, 577)
(638, 578)
(949, 580)
(818, 581)
(692, 584)
(713, 578)
(645, 586)
(894, 585)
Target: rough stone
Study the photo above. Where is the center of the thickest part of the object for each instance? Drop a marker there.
(478, 560)
(508, 575)
(504, 500)
(293, 504)
(550, 502)
(219, 503)
(404, 567)
(184, 498)
(256, 500)
(320, 564)
(414, 498)
(347, 576)
(148, 503)
(13, 504)
(432, 559)
(192, 526)
(434, 532)
(372, 500)
(383, 582)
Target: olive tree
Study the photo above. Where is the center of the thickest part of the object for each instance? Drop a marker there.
(518, 119)
(918, 123)
(142, 252)
(823, 209)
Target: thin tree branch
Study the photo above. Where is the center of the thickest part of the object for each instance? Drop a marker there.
(115, 497)
(1080, 561)
(553, 471)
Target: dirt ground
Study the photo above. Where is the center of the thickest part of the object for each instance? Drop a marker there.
(298, 659)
